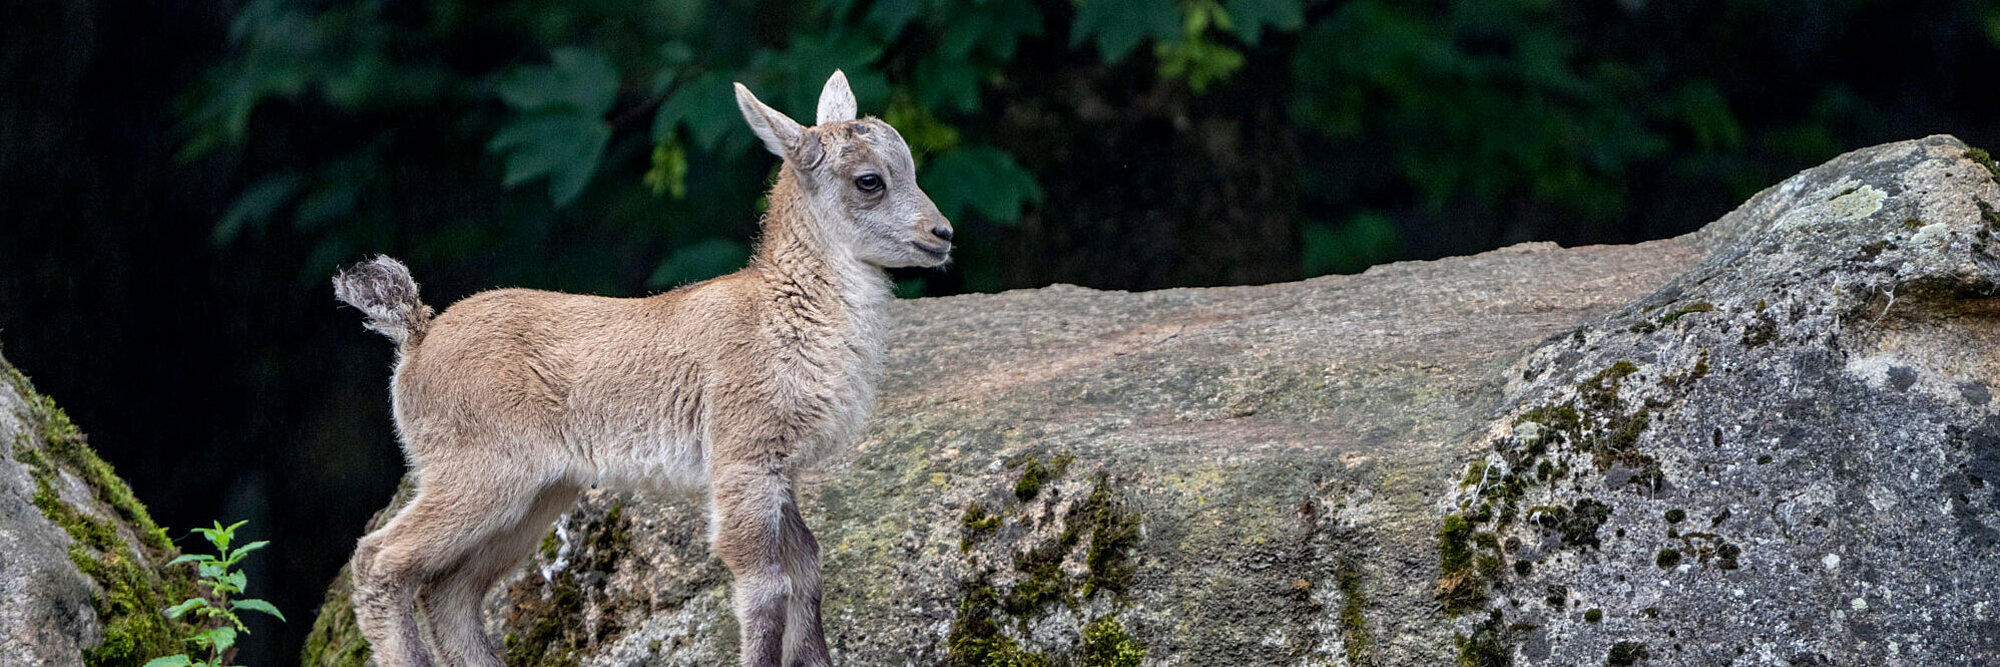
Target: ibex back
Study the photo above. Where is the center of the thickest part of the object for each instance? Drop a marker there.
(513, 401)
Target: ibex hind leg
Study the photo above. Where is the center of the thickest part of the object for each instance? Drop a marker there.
(451, 518)
(751, 505)
(453, 601)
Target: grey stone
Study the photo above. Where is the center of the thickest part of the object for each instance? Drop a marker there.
(1284, 474)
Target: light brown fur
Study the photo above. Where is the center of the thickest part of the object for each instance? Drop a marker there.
(512, 401)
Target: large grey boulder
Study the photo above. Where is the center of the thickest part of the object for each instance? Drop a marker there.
(82, 580)
(1773, 441)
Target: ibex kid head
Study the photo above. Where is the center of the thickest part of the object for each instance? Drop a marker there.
(858, 177)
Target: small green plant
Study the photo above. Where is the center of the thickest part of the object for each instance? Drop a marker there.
(217, 609)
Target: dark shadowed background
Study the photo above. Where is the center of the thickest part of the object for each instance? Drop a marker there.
(181, 177)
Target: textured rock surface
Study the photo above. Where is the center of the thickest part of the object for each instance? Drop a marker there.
(80, 582)
(1773, 441)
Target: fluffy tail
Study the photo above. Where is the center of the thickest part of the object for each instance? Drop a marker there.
(383, 289)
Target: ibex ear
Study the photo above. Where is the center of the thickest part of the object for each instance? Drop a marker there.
(778, 131)
(836, 101)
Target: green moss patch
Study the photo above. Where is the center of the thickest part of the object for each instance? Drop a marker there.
(1105, 644)
(1035, 473)
(550, 628)
(1098, 525)
(1760, 332)
(1353, 623)
(977, 523)
(1650, 326)
(1984, 159)
(335, 640)
(1626, 654)
(1707, 549)
(1488, 646)
(976, 640)
(1459, 586)
(133, 587)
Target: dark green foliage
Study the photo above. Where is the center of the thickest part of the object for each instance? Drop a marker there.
(1667, 559)
(1593, 616)
(1676, 515)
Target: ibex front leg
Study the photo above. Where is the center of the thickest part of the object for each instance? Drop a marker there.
(775, 560)
(805, 638)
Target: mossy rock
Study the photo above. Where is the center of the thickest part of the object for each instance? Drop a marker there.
(1397, 468)
(86, 561)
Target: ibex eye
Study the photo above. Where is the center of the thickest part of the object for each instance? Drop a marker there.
(868, 182)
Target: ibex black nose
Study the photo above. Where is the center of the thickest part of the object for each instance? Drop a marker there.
(941, 231)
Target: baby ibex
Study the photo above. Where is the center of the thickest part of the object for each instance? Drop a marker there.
(513, 401)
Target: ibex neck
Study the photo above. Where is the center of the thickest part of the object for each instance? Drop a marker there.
(801, 252)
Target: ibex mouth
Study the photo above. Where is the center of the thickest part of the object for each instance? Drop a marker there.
(939, 252)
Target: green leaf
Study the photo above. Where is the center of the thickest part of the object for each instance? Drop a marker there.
(705, 259)
(579, 80)
(923, 132)
(259, 606)
(993, 28)
(563, 146)
(888, 17)
(191, 558)
(247, 548)
(1120, 25)
(255, 206)
(325, 205)
(801, 70)
(218, 639)
(979, 178)
(947, 83)
(212, 569)
(705, 104)
(1251, 16)
(668, 174)
(235, 580)
(1708, 116)
(170, 661)
(1200, 61)
(178, 610)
